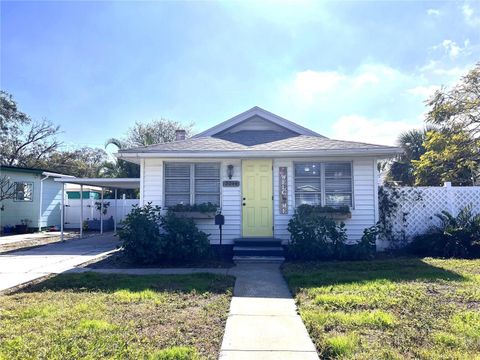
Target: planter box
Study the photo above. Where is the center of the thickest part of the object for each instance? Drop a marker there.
(337, 216)
(195, 214)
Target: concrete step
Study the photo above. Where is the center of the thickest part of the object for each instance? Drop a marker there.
(264, 242)
(257, 251)
(258, 259)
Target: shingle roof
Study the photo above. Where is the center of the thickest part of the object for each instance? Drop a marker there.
(296, 143)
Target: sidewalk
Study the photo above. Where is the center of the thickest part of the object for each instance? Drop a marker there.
(263, 321)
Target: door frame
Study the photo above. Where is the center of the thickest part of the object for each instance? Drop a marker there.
(241, 199)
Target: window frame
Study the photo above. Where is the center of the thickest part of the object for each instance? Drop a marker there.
(323, 180)
(31, 183)
(192, 179)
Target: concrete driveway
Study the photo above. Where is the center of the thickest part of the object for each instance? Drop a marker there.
(23, 266)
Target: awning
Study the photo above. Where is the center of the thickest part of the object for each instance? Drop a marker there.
(115, 183)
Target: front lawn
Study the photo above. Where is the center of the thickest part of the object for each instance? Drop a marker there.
(77, 316)
(390, 309)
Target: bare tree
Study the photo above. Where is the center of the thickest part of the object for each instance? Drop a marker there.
(7, 188)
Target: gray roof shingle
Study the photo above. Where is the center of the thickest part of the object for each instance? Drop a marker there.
(296, 143)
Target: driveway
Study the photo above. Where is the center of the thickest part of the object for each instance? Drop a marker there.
(21, 267)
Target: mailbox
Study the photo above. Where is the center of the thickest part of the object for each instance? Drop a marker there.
(219, 219)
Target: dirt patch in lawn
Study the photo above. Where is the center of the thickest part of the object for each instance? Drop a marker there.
(118, 260)
(390, 309)
(76, 316)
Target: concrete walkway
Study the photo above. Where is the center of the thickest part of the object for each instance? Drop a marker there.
(24, 266)
(263, 322)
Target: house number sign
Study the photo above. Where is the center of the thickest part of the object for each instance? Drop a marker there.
(283, 188)
(231, 183)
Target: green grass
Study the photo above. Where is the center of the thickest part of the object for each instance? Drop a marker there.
(390, 309)
(93, 316)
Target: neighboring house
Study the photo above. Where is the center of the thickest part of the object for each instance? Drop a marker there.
(37, 198)
(258, 167)
(89, 192)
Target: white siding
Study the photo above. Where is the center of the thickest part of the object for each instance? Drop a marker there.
(364, 188)
(15, 211)
(152, 190)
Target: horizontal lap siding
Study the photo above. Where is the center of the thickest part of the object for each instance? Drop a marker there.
(363, 214)
(152, 180)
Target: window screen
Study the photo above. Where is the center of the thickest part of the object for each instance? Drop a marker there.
(323, 183)
(187, 183)
(23, 191)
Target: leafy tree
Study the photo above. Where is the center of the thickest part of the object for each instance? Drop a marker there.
(25, 142)
(83, 162)
(459, 107)
(401, 170)
(154, 132)
(452, 155)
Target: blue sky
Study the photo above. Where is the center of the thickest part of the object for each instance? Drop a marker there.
(348, 70)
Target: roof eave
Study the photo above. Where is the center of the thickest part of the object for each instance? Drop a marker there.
(378, 152)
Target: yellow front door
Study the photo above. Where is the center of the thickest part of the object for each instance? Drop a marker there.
(257, 195)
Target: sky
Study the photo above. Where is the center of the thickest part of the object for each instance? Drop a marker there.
(352, 70)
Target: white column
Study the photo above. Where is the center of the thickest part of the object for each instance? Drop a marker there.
(81, 210)
(62, 209)
(115, 215)
(101, 213)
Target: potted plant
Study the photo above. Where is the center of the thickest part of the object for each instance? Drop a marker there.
(195, 211)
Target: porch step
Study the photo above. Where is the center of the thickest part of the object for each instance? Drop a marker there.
(258, 259)
(258, 242)
(258, 250)
(262, 249)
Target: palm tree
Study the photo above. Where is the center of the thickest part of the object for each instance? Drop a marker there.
(400, 170)
(120, 168)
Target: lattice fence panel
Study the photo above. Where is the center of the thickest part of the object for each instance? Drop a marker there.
(417, 207)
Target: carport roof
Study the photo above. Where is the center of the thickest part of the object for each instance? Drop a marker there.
(118, 183)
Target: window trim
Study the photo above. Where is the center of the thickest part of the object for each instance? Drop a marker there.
(192, 179)
(322, 180)
(23, 182)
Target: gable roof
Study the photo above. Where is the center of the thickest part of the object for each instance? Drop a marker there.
(257, 111)
(293, 141)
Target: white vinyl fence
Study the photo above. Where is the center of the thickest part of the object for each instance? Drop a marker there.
(417, 206)
(90, 212)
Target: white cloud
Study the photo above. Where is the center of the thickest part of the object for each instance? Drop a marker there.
(433, 12)
(375, 131)
(451, 48)
(470, 15)
(309, 84)
(423, 91)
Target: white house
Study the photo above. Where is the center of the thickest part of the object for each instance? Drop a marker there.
(258, 167)
(36, 199)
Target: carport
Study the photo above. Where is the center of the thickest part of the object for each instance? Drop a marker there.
(109, 183)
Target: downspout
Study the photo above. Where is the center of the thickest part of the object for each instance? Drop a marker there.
(41, 203)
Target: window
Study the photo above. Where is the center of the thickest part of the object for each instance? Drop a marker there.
(308, 183)
(323, 183)
(23, 191)
(192, 183)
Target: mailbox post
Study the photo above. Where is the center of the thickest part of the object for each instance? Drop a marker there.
(220, 221)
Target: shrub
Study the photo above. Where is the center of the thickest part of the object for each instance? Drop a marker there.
(141, 234)
(181, 239)
(457, 236)
(365, 249)
(313, 236)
